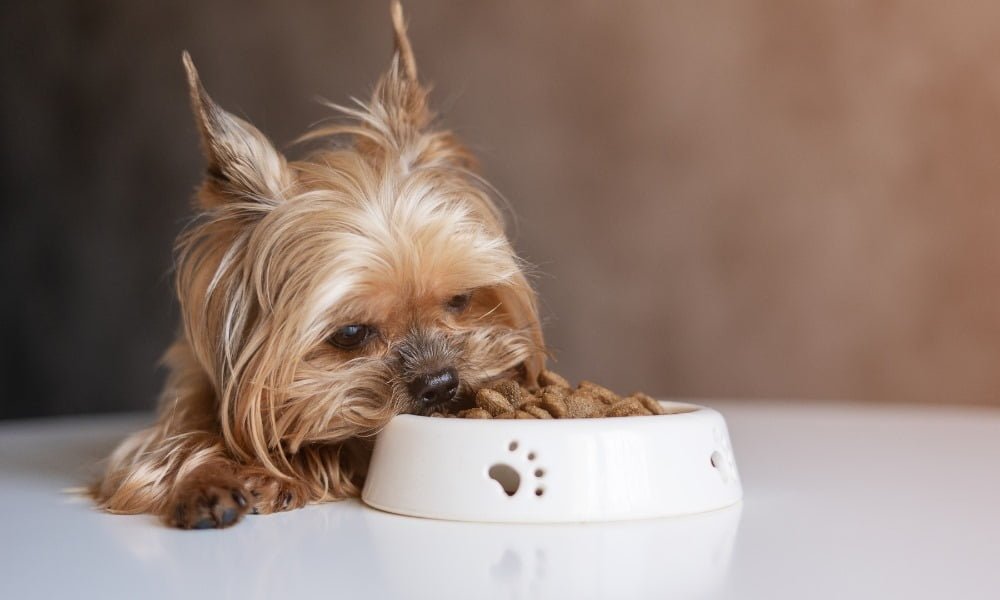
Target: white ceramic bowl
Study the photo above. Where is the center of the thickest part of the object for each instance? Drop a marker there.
(560, 470)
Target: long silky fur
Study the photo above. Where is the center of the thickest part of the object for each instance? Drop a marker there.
(279, 255)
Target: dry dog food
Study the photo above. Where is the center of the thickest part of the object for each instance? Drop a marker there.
(555, 399)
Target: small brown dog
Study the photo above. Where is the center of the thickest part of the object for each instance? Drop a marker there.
(320, 298)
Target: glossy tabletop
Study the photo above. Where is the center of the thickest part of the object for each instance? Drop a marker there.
(841, 501)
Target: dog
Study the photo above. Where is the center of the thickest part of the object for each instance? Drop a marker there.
(320, 298)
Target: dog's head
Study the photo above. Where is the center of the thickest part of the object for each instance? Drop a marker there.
(324, 296)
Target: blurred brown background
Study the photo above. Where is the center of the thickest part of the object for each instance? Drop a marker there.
(749, 199)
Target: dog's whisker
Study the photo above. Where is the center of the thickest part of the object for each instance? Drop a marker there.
(490, 312)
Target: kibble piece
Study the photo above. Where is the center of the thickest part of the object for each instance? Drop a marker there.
(627, 407)
(554, 403)
(537, 411)
(506, 415)
(583, 405)
(600, 392)
(510, 390)
(493, 402)
(474, 413)
(523, 414)
(649, 402)
(551, 378)
(554, 391)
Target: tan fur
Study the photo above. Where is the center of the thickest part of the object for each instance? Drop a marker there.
(382, 226)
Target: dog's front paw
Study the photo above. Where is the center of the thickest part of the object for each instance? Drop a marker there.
(207, 502)
(269, 495)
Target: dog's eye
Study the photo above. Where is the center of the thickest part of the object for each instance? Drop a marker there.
(352, 337)
(459, 302)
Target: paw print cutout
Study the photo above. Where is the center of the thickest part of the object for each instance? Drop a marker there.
(511, 477)
(722, 458)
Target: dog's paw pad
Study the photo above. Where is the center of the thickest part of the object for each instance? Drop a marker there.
(201, 504)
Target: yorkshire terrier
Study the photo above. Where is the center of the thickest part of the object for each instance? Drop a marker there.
(319, 298)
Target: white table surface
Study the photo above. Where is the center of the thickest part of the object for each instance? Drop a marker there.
(841, 501)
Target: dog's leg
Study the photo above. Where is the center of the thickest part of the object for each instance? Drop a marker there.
(323, 473)
(178, 469)
(190, 481)
(181, 470)
(184, 476)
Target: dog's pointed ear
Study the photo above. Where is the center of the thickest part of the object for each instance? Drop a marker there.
(403, 51)
(399, 118)
(242, 164)
(399, 90)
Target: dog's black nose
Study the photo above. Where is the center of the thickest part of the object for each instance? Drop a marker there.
(435, 388)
